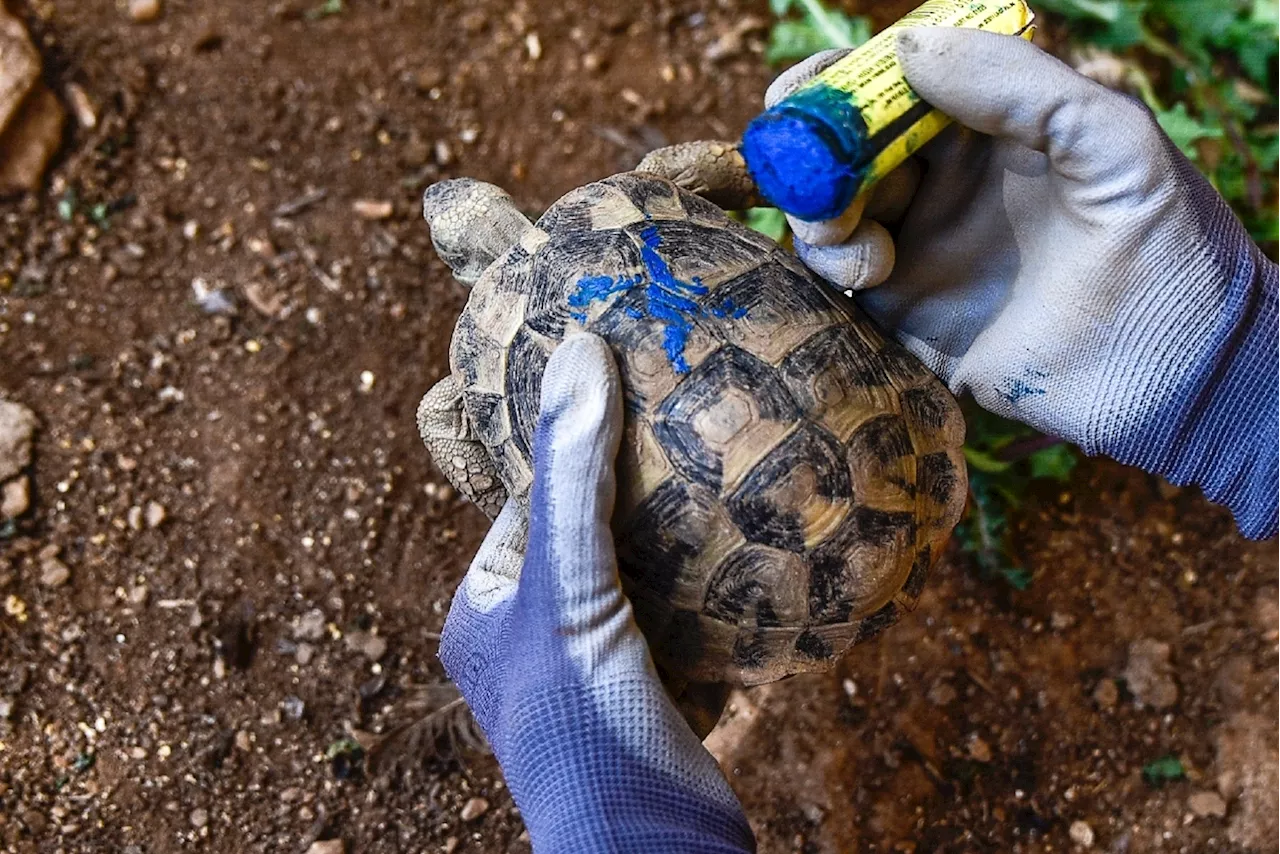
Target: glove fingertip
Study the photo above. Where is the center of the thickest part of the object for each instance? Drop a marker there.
(864, 261)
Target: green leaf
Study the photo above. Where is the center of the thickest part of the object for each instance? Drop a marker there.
(770, 222)
(1184, 129)
(793, 40)
(779, 7)
(1017, 578)
(344, 746)
(820, 29)
(67, 205)
(984, 462)
(1107, 11)
(1054, 463)
(1198, 20)
(324, 10)
(1163, 770)
(1107, 23)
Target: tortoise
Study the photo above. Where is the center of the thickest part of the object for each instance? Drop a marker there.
(787, 473)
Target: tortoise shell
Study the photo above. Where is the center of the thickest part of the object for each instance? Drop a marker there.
(787, 474)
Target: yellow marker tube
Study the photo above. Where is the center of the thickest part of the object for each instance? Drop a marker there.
(812, 153)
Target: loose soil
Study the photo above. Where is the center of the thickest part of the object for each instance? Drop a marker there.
(212, 479)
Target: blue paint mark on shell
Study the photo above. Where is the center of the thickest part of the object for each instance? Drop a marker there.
(669, 300)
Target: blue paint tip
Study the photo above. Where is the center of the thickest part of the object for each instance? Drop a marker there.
(807, 152)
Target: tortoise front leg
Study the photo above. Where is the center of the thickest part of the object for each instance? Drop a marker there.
(446, 431)
(708, 168)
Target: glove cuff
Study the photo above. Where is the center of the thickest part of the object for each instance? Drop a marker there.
(634, 778)
(1204, 411)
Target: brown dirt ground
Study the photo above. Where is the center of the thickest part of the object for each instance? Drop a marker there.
(289, 483)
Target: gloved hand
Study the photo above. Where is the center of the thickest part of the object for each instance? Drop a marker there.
(1058, 258)
(542, 643)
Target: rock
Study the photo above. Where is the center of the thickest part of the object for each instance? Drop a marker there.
(450, 845)
(199, 818)
(155, 514)
(1246, 762)
(979, 750)
(1081, 834)
(1106, 694)
(372, 209)
(327, 846)
(6, 708)
(1204, 804)
(304, 653)
(19, 65)
(941, 694)
(310, 626)
(30, 140)
(212, 300)
(473, 809)
(85, 113)
(144, 11)
(134, 517)
(244, 741)
(15, 498)
(294, 707)
(17, 423)
(1266, 613)
(373, 647)
(428, 79)
(1149, 674)
(53, 572)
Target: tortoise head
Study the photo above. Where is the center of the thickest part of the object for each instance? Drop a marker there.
(472, 224)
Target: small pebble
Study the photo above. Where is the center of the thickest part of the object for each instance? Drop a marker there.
(942, 694)
(327, 846)
(15, 498)
(304, 653)
(372, 209)
(1207, 804)
(1149, 674)
(143, 11)
(473, 809)
(244, 741)
(311, 626)
(211, 300)
(6, 708)
(199, 818)
(979, 750)
(373, 647)
(443, 153)
(155, 514)
(291, 794)
(294, 707)
(17, 424)
(428, 79)
(1081, 834)
(86, 115)
(450, 845)
(138, 594)
(54, 573)
(1106, 694)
